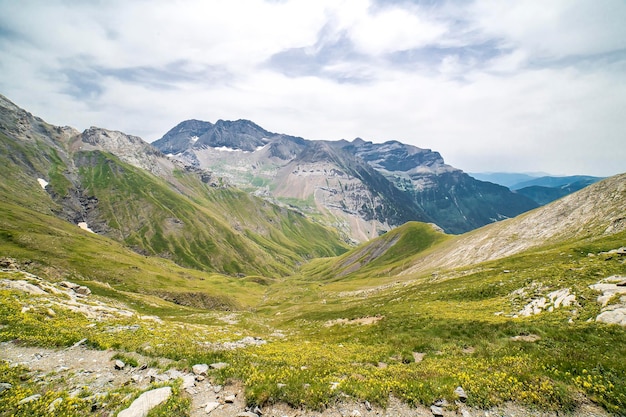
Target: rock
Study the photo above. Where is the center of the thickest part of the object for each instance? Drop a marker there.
(146, 402)
(217, 389)
(82, 290)
(461, 393)
(4, 386)
(247, 414)
(368, 406)
(119, 365)
(69, 285)
(441, 403)
(200, 369)
(22, 285)
(189, 381)
(281, 386)
(355, 413)
(29, 399)
(174, 374)
(229, 399)
(613, 315)
(136, 378)
(80, 342)
(437, 411)
(418, 357)
(53, 405)
(219, 365)
(210, 406)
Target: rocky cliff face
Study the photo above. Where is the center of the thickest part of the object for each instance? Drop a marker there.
(361, 187)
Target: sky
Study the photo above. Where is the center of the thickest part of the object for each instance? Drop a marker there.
(494, 86)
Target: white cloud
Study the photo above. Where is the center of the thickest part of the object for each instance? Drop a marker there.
(381, 31)
(556, 28)
(491, 85)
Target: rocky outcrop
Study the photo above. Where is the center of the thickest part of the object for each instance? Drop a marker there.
(612, 299)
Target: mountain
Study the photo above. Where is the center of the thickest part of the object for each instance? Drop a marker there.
(361, 188)
(541, 189)
(121, 187)
(557, 182)
(522, 316)
(507, 179)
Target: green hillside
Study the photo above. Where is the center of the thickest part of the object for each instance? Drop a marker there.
(525, 313)
(176, 217)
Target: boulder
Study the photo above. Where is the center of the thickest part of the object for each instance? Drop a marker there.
(461, 393)
(54, 404)
(146, 402)
(119, 365)
(210, 406)
(29, 399)
(82, 290)
(4, 386)
(200, 369)
(189, 381)
(69, 285)
(437, 411)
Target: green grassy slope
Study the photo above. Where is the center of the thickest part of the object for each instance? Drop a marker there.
(379, 259)
(59, 250)
(197, 226)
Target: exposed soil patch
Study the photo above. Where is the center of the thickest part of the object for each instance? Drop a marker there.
(364, 321)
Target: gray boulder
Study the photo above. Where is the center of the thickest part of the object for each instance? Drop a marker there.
(146, 402)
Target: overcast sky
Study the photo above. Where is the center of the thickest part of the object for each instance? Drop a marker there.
(520, 86)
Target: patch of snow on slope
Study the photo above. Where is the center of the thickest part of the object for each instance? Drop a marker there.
(84, 226)
(194, 139)
(227, 149)
(42, 182)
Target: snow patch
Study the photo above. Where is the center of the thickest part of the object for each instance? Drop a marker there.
(84, 226)
(227, 149)
(42, 182)
(194, 139)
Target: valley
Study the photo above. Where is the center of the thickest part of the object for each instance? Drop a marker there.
(182, 267)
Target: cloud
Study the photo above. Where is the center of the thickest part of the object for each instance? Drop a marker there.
(491, 85)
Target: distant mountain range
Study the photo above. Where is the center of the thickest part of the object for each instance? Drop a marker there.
(542, 189)
(360, 187)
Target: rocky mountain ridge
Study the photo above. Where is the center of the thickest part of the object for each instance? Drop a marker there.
(362, 188)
